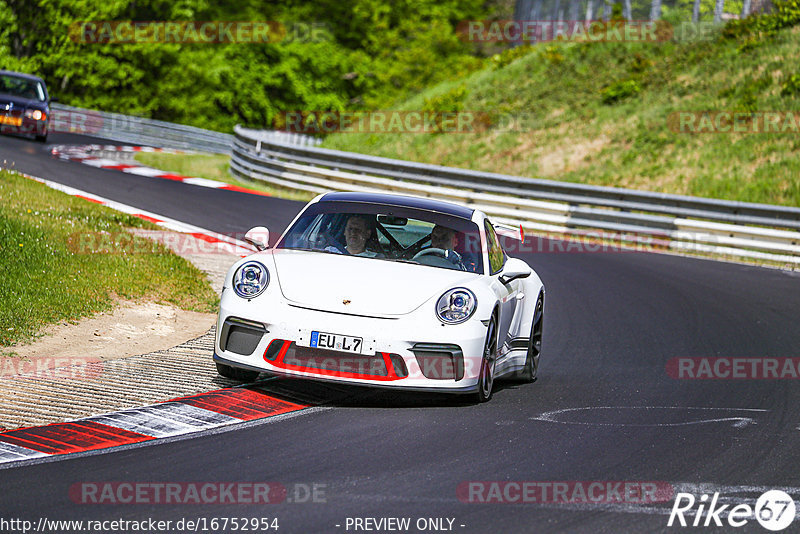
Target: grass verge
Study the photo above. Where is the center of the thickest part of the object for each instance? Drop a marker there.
(213, 167)
(46, 279)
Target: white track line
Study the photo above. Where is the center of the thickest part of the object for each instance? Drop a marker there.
(225, 243)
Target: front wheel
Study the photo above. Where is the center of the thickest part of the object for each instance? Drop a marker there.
(488, 362)
(235, 373)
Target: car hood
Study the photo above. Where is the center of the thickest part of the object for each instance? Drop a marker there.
(21, 103)
(371, 287)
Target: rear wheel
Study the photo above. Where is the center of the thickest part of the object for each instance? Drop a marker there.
(488, 362)
(235, 373)
(531, 369)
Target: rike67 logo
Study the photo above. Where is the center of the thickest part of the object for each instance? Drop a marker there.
(774, 510)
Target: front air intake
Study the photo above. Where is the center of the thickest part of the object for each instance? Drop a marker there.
(240, 337)
(439, 361)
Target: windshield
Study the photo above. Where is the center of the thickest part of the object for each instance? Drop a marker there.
(22, 87)
(387, 233)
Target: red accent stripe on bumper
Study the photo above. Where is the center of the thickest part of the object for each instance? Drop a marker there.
(281, 363)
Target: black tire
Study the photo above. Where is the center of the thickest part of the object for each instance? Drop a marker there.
(235, 373)
(42, 138)
(531, 369)
(488, 363)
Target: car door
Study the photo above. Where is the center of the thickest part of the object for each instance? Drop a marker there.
(507, 293)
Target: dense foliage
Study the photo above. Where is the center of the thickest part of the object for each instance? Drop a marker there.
(334, 55)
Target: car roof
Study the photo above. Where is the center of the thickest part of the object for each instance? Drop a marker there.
(21, 75)
(401, 200)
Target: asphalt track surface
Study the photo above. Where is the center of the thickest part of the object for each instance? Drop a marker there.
(613, 321)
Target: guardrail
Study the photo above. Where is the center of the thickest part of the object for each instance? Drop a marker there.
(684, 223)
(137, 130)
(151, 132)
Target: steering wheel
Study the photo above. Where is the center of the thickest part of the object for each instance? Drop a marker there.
(324, 241)
(440, 252)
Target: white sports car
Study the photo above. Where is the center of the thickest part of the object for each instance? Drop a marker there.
(383, 290)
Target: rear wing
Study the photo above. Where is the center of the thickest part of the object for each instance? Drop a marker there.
(506, 230)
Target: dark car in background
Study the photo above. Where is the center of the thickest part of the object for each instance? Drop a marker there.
(24, 105)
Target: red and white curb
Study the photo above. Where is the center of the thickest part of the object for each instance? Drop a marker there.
(85, 154)
(223, 243)
(177, 417)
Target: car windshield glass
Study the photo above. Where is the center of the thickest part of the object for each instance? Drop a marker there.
(22, 87)
(387, 233)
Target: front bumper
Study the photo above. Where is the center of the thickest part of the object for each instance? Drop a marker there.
(413, 351)
(405, 386)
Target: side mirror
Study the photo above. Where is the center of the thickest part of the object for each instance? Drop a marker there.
(53, 99)
(514, 269)
(258, 237)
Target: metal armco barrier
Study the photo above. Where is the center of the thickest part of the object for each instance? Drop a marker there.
(681, 223)
(150, 132)
(136, 130)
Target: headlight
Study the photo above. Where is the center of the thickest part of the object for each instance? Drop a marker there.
(35, 114)
(456, 305)
(250, 280)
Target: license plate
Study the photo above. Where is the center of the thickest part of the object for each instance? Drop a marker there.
(325, 340)
(13, 121)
